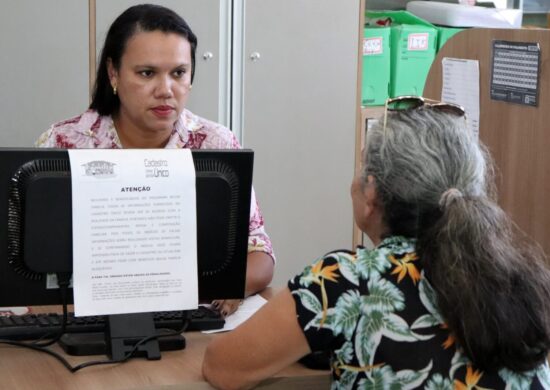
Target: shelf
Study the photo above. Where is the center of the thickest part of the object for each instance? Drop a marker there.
(372, 112)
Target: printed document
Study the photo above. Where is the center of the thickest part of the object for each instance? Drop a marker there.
(461, 86)
(134, 230)
(248, 307)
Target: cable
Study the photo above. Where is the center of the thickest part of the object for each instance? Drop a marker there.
(71, 368)
(41, 347)
(63, 281)
(127, 356)
(185, 324)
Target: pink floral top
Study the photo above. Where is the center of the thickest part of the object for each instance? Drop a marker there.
(90, 130)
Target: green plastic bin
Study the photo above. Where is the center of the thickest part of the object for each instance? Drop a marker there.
(376, 66)
(413, 43)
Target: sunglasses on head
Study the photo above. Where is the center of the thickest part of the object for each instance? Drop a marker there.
(405, 103)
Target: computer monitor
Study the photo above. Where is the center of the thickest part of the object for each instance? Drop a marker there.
(36, 223)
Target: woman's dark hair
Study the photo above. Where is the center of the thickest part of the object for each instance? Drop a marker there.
(435, 183)
(144, 17)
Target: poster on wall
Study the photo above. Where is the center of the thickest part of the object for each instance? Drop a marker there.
(515, 72)
(461, 86)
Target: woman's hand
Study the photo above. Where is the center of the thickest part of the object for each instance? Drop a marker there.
(226, 306)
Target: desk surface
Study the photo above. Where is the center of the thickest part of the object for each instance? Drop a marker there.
(26, 369)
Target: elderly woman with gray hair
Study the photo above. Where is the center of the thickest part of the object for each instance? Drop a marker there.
(452, 296)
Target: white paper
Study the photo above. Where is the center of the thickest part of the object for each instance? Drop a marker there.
(461, 86)
(249, 306)
(134, 230)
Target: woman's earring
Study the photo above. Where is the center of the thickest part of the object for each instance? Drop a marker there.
(191, 86)
(114, 89)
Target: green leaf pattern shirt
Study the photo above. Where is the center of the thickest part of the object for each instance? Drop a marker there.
(377, 313)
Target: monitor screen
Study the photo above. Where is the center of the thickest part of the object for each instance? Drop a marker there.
(36, 223)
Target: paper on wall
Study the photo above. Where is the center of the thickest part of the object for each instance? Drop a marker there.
(461, 86)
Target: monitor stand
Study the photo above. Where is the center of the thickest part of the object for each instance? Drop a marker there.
(122, 333)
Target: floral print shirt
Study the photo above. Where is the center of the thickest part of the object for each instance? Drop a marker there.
(377, 313)
(91, 130)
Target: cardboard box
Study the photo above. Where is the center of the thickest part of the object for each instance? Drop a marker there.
(376, 66)
(413, 44)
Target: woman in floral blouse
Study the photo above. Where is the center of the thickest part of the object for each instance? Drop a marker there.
(143, 81)
(448, 298)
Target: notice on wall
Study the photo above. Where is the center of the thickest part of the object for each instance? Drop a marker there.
(461, 86)
(134, 231)
(515, 72)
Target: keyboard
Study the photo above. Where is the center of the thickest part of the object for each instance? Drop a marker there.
(35, 326)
